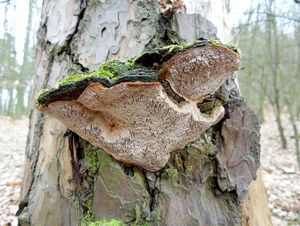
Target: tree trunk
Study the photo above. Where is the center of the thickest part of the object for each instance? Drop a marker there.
(68, 181)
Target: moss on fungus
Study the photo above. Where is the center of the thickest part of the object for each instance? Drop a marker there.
(109, 69)
(43, 91)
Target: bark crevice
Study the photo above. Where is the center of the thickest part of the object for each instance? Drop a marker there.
(66, 48)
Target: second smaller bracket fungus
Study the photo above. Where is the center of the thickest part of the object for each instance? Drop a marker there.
(135, 122)
(199, 72)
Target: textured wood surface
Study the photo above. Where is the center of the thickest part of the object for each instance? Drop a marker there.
(240, 151)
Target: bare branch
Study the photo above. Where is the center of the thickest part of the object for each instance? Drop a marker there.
(279, 16)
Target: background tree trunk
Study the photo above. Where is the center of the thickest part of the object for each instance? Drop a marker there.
(70, 182)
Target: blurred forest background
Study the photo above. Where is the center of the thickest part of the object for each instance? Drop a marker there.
(19, 24)
(270, 39)
(267, 32)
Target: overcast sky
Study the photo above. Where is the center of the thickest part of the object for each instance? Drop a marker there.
(238, 7)
(17, 23)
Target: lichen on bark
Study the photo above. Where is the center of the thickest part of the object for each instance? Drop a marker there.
(190, 174)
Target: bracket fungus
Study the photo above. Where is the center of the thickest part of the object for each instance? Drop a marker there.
(147, 108)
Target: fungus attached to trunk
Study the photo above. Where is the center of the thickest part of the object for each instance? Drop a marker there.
(148, 108)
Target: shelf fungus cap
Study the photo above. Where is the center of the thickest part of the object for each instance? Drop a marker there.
(135, 117)
(136, 123)
(199, 72)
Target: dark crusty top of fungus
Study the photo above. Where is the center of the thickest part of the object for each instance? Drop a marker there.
(141, 110)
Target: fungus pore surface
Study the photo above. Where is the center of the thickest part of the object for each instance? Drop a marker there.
(148, 109)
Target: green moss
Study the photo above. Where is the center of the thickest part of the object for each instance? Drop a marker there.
(109, 69)
(113, 68)
(72, 78)
(234, 48)
(213, 42)
(178, 161)
(138, 214)
(107, 222)
(138, 178)
(176, 47)
(130, 64)
(101, 72)
(139, 224)
(42, 92)
(172, 173)
(88, 220)
(229, 46)
(89, 202)
(206, 148)
(207, 106)
(155, 216)
(179, 47)
(138, 220)
(92, 161)
(95, 160)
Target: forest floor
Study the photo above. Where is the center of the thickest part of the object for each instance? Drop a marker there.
(13, 136)
(279, 170)
(280, 173)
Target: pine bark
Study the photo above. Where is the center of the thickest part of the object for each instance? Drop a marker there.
(68, 181)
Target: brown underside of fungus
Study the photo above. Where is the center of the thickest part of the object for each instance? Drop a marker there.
(148, 109)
